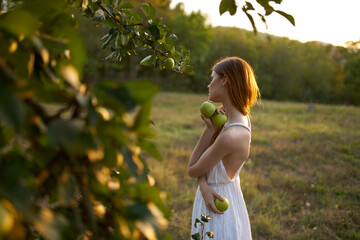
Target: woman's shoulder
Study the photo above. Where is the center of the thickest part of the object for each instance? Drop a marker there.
(235, 135)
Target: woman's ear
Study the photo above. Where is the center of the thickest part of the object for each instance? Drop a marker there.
(224, 80)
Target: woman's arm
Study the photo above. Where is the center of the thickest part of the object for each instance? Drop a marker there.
(201, 145)
(209, 194)
(203, 159)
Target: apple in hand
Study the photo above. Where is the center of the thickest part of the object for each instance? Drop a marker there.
(222, 205)
(218, 119)
(208, 109)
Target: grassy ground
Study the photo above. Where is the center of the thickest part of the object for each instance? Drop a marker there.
(301, 181)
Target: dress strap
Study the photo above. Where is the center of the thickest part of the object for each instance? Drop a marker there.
(249, 122)
(240, 124)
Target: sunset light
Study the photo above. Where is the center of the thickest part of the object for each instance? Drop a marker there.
(328, 21)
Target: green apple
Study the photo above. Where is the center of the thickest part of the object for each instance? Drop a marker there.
(208, 109)
(218, 119)
(169, 63)
(222, 205)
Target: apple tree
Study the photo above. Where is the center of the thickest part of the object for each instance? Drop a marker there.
(71, 153)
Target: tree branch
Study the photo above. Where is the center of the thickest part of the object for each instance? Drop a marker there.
(109, 13)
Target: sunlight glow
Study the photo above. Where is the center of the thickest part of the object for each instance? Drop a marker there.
(329, 21)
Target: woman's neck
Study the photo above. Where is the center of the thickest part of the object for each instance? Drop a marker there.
(232, 113)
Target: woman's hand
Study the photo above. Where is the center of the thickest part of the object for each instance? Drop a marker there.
(209, 196)
(208, 121)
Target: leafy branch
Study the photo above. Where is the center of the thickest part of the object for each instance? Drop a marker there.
(139, 33)
(201, 235)
(231, 7)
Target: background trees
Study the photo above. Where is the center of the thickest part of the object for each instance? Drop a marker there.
(286, 69)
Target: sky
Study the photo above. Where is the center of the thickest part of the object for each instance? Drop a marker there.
(329, 21)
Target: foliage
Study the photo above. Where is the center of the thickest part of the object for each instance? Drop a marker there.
(231, 7)
(195, 35)
(285, 69)
(352, 79)
(132, 32)
(71, 153)
(203, 221)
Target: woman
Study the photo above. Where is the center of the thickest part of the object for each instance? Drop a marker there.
(220, 153)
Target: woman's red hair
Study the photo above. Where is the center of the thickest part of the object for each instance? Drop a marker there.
(241, 85)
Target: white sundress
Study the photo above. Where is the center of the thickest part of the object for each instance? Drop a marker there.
(234, 224)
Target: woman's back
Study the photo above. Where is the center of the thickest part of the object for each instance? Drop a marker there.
(241, 138)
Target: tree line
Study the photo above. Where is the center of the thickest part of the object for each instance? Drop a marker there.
(286, 69)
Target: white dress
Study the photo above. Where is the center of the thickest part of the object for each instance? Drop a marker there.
(234, 224)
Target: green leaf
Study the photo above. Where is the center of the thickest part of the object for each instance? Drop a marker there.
(136, 18)
(149, 10)
(196, 222)
(6, 134)
(141, 91)
(228, 5)
(223, 6)
(112, 31)
(67, 190)
(117, 42)
(11, 184)
(93, 6)
(110, 56)
(172, 39)
(77, 49)
(287, 16)
(148, 61)
(129, 161)
(85, 141)
(113, 94)
(268, 10)
(52, 94)
(106, 42)
(150, 148)
(63, 133)
(127, 5)
(262, 17)
(12, 110)
(155, 32)
(152, 11)
(19, 22)
(249, 6)
(142, 119)
(196, 236)
(265, 4)
(110, 10)
(124, 39)
(252, 21)
(145, 9)
(104, 37)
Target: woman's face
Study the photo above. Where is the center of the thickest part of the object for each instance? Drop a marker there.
(215, 87)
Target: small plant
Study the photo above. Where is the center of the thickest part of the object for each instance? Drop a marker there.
(198, 236)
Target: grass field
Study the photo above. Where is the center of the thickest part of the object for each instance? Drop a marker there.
(301, 181)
